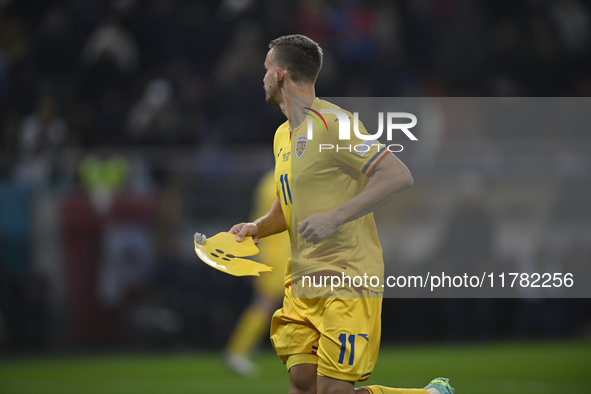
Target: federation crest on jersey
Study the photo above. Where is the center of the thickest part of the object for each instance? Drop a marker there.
(301, 144)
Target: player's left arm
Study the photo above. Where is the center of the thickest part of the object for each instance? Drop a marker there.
(389, 178)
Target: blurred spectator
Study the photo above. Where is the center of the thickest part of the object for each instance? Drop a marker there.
(103, 179)
(42, 130)
(155, 118)
(192, 95)
(110, 56)
(126, 262)
(238, 77)
(112, 42)
(41, 135)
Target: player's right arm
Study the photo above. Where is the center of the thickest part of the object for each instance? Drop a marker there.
(272, 223)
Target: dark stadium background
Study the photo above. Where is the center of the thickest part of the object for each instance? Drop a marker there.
(153, 125)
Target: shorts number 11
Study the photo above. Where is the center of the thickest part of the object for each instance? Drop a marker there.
(343, 340)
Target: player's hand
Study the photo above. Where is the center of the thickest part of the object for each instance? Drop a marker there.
(245, 229)
(317, 227)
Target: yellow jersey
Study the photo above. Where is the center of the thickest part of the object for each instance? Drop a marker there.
(310, 178)
(275, 249)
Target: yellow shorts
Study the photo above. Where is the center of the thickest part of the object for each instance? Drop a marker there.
(344, 334)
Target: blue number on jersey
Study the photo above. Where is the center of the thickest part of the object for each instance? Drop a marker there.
(285, 185)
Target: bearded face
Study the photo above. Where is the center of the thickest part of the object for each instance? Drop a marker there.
(270, 81)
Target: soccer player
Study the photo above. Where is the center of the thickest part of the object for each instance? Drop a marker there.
(253, 324)
(325, 201)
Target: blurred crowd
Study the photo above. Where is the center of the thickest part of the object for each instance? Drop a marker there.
(123, 72)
